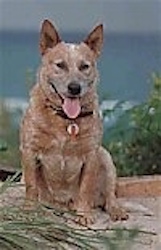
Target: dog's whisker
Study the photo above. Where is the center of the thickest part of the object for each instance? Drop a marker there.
(50, 82)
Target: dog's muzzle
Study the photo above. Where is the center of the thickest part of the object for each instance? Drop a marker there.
(71, 106)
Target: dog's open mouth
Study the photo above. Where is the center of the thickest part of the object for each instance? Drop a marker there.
(71, 107)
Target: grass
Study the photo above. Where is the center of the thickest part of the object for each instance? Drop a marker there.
(33, 230)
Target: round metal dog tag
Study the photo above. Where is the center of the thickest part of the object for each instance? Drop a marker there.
(73, 129)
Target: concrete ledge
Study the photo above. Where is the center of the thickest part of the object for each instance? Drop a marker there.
(143, 186)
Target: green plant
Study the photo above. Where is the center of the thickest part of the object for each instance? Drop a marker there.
(9, 129)
(9, 152)
(136, 145)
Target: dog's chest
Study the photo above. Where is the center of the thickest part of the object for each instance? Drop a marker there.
(60, 169)
(63, 155)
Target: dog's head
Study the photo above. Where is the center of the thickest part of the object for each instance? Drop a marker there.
(68, 69)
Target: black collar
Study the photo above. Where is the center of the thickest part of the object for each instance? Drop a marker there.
(61, 113)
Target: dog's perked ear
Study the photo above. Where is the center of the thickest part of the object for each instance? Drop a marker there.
(95, 40)
(49, 36)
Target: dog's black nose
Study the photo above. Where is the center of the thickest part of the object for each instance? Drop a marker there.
(74, 88)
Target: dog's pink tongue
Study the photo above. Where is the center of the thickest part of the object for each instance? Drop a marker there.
(71, 107)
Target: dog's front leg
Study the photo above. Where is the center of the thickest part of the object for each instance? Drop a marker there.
(30, 179)
(88, 179)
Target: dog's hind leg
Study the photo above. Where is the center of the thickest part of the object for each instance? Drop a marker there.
(109, 175)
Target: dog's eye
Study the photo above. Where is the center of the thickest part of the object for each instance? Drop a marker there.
(61, 65)
(84, 66)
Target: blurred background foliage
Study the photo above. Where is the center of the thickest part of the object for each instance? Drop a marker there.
(135, 139)
(9, 137)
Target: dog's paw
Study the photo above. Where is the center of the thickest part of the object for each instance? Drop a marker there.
(118, 213)
(85, 219)
(29, 205)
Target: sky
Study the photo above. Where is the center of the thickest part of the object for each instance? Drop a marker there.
(75, 15)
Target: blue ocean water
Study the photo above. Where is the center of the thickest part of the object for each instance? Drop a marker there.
(126, 64)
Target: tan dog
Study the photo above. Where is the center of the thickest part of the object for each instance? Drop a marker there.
(64, 162)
